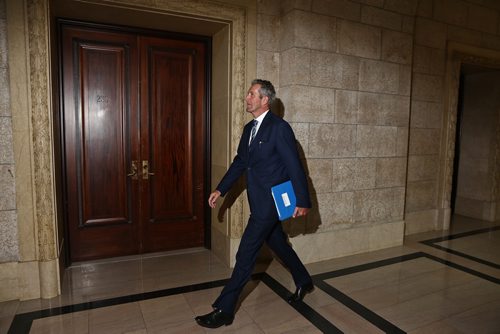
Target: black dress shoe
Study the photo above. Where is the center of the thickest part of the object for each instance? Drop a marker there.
(215, 319)
(301, 291)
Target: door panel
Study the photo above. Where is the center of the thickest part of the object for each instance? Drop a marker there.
(98, 114)
(134, 133)
(171, 91)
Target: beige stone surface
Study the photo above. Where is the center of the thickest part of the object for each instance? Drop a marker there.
(301, 131)
(346, 106)
(268, 65)
(267, 32)
(421, 221)
(381, 18)
(378, 76)
(312, 31)
(331, 140)
(334, 70)
(427, 87)
(464, 35)
(402, 141)
(407, 7)
(376, 141)
(390, 172)
(359, 39)
(430, 33)
(451, 11)
(397, 47)
(426, 114)
(422, 167)
(320, 175)
(9, 249)
(9, 289)
(295, 67)
(288, 5)
(308, 104)
(383, 109)
(421, 196)
(339, 8)
(380, 205)
(424, 141)
(483, 19)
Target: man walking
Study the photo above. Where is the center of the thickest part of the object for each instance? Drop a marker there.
(267, 152)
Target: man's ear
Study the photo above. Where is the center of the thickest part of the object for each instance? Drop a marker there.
(265, 100)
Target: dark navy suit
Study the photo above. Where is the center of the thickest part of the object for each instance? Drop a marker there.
(271, 158)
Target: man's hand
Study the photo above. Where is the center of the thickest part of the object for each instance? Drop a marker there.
(300, 212)
(212, 199)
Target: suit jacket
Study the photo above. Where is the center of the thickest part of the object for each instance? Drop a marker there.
(271, 158)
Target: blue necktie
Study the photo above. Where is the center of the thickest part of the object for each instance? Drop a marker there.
(254, 131)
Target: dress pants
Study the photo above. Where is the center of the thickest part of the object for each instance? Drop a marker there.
(256, 232)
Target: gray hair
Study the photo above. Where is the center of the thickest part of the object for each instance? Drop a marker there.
(266, 89)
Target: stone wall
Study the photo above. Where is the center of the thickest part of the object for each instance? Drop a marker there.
(9, 250)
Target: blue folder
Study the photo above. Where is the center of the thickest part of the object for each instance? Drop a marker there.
(284, 199)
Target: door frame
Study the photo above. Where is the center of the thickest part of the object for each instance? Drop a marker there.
(59, 128)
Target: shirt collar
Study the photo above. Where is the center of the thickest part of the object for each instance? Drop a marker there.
(261, 117)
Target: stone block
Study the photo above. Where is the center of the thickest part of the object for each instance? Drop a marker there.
(3, 43)
(339, 8)
(429, 60)
(404, 80)
(381, 18)
(267, 32)
(289, 5)
(343, 174)
(332, 140)
(301, 131)
(408, 24)
(464, 35)
(426, 114)
(9, 249)
(424, 8)
(269, 7)
(397, 47)
(376, 141)
(346, 106)
(358, 39)
(308, 104)
(422, 167)
(4, 92)
(268, 64)
(334, 70)
(8, 186)
(320, 174)
(407, 7)
(430, 33)
(383, 109)
(379, 205)
(6, 153)
(421, 195)
(427, 87)
(402, 142)
(451, 11)
(379, 76)
(295, 67)
(390, 172)
(424, 141)
(333, 209)
(9, 287)
(483, 19)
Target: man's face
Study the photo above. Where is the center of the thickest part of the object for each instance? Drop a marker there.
(256, 104)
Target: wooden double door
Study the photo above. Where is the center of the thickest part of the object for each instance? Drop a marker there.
(134, 133)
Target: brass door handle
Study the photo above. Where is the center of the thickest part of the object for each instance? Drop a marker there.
(133, 170)
(145, 170)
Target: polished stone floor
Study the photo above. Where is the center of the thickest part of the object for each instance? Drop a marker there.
(437, 282)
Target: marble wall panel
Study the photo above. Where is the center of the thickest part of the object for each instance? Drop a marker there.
(379, 76)
(483, 19)
(408, 7)
(267, 32)
(383, 109)
(422, 167)
(424, 141)
(451, 11)
(390, 172)
(397, 47)
(427, 87)
(421, 196)
(381, 18)
(376, 141)
(334, 70)
(9, 250)
(426, 114)
(339, 8)
(346, 106)
(295, 67)
(430, 33)
(320, 175)
(379, 205)
(308, 104)
(358, 39)
(332, 140)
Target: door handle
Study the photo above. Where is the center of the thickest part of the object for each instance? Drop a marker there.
(145, 170)
(133, 170)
